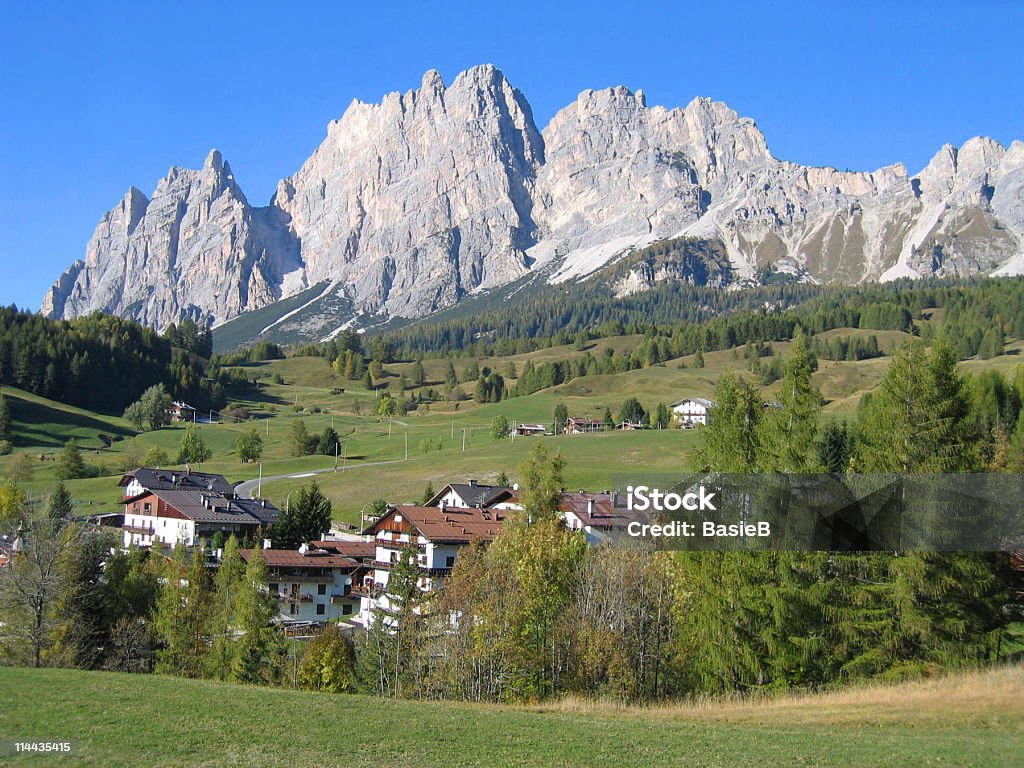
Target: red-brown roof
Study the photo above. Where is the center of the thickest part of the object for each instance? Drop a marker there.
(292, 558)
(354, 549)
(453, 525)
(599, 510)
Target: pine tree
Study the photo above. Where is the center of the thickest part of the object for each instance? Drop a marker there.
(789, 432)
(917, 419)
(70, 464)
(254, 609)
(834, 448)
(223, 606)
(306, 517)
(730, 442)
(59, 505)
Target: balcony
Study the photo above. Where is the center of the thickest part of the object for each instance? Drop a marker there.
(366, 590)
(140, 529)
(309, 578)
(424, 570)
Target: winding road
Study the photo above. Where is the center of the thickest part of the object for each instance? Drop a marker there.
(245, 488)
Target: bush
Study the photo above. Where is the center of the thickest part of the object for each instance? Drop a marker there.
(5, 447)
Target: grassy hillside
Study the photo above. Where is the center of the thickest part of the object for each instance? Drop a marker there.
(308, 388)
(115, 719)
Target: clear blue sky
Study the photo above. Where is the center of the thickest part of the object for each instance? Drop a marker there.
(96, 97)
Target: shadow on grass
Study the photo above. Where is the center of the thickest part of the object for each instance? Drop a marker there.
(38, 424)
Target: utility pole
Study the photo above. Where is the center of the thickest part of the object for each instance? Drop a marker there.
(335, 455)
(259, 484)
(453, 429)
(463, 439)
(406, 446)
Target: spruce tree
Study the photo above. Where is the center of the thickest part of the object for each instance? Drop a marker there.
(730, 442)
(789, 439)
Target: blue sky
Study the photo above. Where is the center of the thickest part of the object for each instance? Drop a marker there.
(97, 97)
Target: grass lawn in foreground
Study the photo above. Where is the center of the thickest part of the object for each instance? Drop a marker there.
(128, 720)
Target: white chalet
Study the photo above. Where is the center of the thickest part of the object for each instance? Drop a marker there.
(692, 411)
(314, 582)
(473, 494)
(435, 534)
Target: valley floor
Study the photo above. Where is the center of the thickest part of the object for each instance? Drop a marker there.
(974, 719)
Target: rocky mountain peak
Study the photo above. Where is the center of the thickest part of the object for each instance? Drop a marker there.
(415, 201)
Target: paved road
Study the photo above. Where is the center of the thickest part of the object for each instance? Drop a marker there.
(246, 487)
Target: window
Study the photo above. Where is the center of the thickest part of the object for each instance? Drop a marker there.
(320, 607)
(293, 608)
(346, 609)
(321, 589)
(273, 587)
(449, 561)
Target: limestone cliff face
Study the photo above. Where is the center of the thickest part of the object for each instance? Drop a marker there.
(413, 202)
(195, 249)
(410, 204)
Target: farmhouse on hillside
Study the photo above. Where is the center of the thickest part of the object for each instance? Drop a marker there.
(692, 411)
(527, 430)
(181, 411)
(576, 426)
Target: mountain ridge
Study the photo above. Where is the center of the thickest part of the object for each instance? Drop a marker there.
(413, 203)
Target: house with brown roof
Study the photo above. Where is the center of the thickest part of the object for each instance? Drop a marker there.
(601, 516)
(577, 426)
(314, 583)
(434, 534)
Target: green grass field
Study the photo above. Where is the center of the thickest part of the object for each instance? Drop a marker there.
(129, 720)
(313, 391)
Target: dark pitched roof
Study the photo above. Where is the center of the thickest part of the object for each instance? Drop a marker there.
(167, 480)
(204, 507)
(474, 494)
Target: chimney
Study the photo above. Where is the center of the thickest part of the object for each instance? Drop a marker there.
(303, 549)
(515, 486)
(444, 505)
(590, 507)
(615, 498)
(472, 483)
(266, 543)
